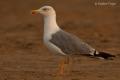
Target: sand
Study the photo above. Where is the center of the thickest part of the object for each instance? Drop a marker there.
(23, 55)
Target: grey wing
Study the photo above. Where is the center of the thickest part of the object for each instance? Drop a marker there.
(70, 44)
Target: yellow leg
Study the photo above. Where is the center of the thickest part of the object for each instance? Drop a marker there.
(62, 65)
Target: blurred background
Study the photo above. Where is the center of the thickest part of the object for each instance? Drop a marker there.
(23, 55)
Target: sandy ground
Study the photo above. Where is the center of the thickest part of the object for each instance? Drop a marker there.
(23, 55)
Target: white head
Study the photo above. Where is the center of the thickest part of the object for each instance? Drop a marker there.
(50, 24)
(45, 11)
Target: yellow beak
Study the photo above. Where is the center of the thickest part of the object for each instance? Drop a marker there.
(33, 12)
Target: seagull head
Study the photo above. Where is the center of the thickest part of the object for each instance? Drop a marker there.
(45, 11)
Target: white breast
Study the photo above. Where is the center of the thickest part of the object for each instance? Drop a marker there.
(53, 47)
(51, 27)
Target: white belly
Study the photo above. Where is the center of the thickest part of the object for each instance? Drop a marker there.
(52, 47)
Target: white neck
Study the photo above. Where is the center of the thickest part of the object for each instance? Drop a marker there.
(50, 25)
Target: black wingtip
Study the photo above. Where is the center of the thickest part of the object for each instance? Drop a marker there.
(105, 55)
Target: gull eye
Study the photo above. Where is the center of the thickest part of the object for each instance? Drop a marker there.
(45, 9)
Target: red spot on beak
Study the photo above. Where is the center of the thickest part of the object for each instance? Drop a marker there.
(33, 12)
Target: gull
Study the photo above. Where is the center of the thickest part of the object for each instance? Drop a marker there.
(61, 42)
